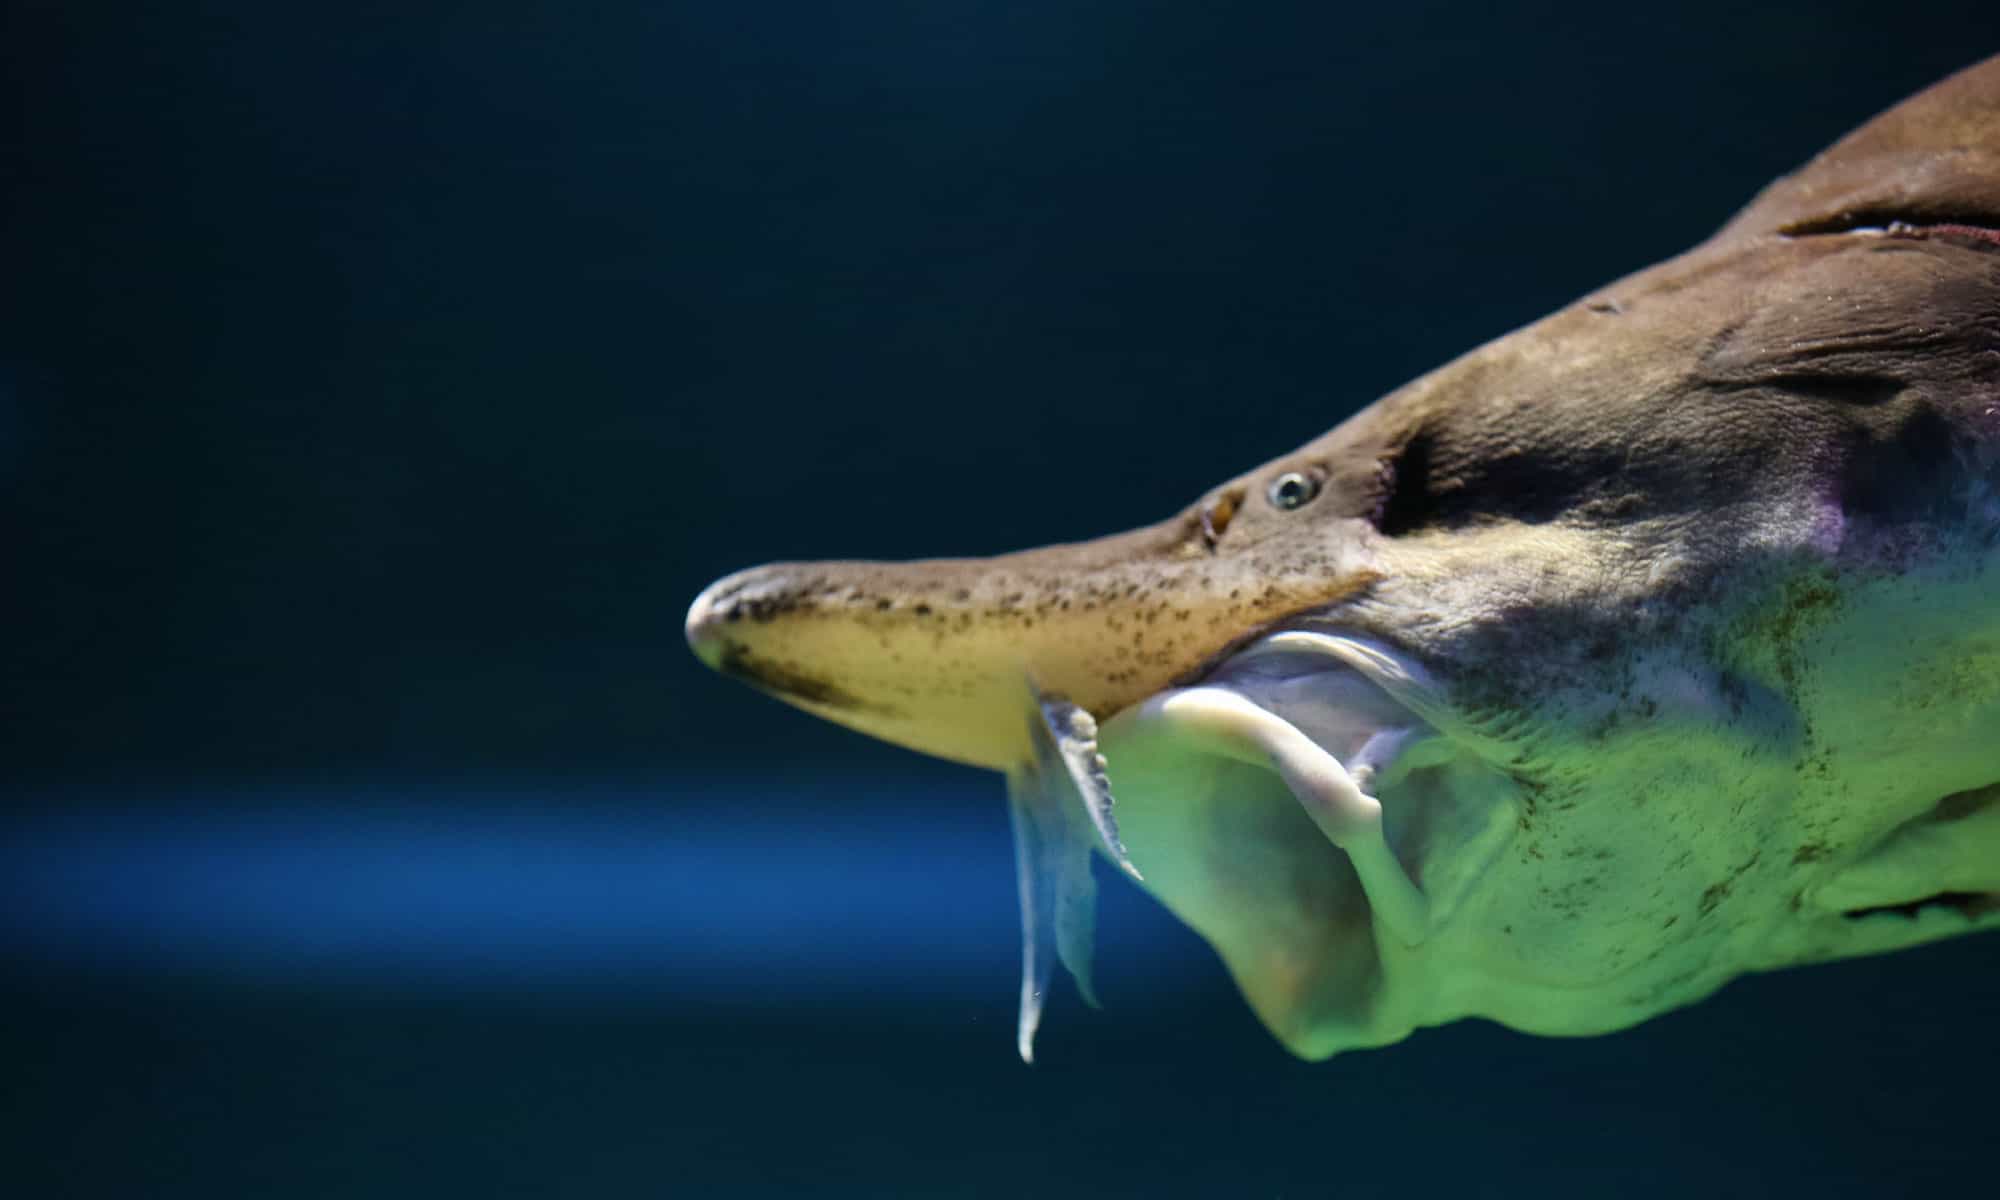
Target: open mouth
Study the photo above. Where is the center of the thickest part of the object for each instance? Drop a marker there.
(1286, 808)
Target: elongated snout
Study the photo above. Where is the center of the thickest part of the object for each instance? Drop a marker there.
(790, 628)
(941, 655)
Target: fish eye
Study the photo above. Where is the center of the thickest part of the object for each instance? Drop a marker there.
(1292, 490)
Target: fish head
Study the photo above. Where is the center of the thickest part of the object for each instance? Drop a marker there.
(1679, 654)
(934, 655)
(1649, 645)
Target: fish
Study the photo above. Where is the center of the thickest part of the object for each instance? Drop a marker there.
(1650, 645)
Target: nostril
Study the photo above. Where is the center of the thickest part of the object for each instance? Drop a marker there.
(1218, 513)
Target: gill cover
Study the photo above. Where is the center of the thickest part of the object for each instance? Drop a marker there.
(1301, 809)
(1293, 807)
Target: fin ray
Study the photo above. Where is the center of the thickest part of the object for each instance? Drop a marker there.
(1068, 736)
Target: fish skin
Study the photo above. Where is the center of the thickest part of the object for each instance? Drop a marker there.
(1553, 419)
(1699, 564)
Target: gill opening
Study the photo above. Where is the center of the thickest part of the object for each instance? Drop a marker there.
(1970, 226)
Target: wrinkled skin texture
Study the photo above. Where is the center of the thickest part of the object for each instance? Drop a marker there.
(1682, 603)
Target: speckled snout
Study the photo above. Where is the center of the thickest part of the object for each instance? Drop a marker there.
(939, 655)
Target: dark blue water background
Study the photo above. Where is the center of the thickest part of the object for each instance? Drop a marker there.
(379, 381)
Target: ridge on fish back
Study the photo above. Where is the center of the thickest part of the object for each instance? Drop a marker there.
(1651, 644)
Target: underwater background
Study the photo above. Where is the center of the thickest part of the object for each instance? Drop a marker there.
(379, 382)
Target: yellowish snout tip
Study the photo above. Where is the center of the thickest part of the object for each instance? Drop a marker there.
(704, 622)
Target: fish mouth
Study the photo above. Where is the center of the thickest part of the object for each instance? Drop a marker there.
(1311, 825)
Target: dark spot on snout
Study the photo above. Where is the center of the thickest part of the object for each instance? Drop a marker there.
(763, 607)
(789, 681)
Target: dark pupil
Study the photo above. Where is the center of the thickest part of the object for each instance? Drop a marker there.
(1293, 491)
